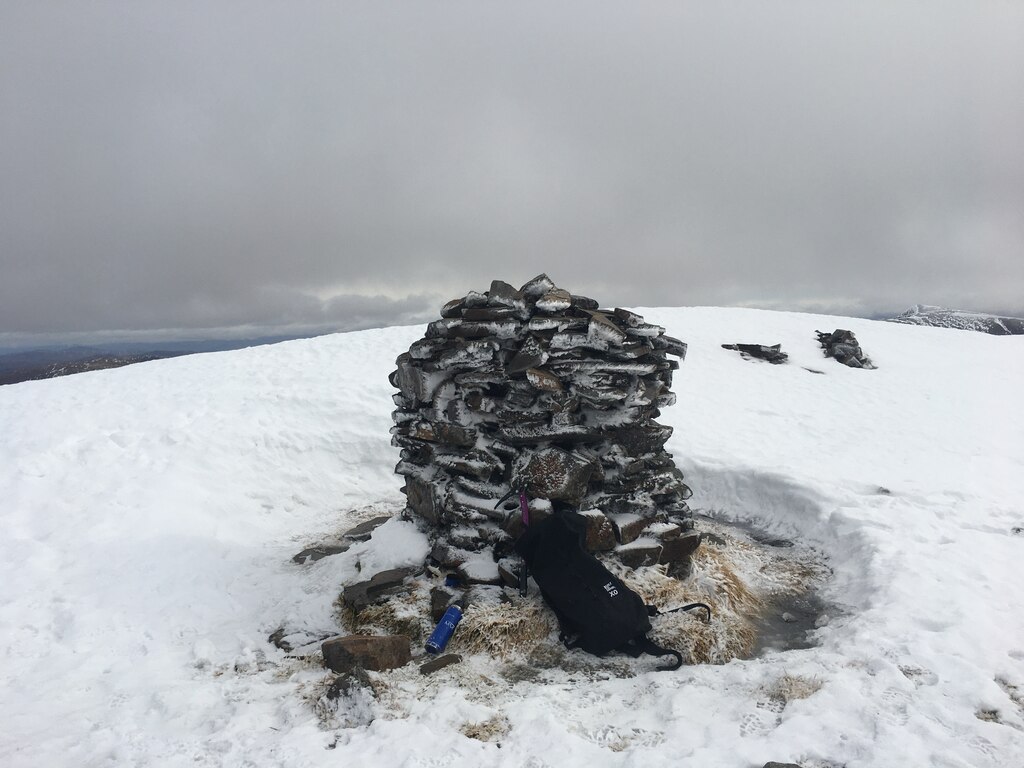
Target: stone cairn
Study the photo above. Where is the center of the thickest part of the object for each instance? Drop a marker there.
(540, 388)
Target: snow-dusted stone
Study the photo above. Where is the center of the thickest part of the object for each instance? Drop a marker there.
(502, 294)
(555, 300)
(447, 556)
(842, 346)
(479, 569)
(628, 526)
(364, 530)
(440, 599)
(347, 683)
(643, 551)
(772, 354)
(676, 553)
(490, 313)
(312, 554)
(530, 355)
(453, 308)
(641, 440)
(553, 473)
(544, 380)
(600, 533)
(422, 499)
(439, 662)
(439, 432)
(537, 287)
(376, 653)
(508, 571)
(384, 584)
(602, 329)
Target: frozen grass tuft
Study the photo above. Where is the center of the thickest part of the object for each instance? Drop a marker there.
(488, 730)
(403, 615)
(792, 687)
(504, 629)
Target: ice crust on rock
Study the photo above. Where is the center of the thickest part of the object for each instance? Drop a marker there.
(541, 386)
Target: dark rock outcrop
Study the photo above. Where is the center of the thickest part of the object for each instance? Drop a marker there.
(842, 346)
(772, 354)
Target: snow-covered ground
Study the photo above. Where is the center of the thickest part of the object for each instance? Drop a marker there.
(149, 515)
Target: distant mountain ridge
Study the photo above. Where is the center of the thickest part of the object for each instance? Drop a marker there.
(48, 362)
(940, 317)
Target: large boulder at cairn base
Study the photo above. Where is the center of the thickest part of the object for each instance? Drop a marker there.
(541, 387)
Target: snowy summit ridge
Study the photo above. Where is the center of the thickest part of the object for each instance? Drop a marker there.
(939, 317)
(150, 515)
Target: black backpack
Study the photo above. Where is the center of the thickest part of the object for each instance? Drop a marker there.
(596, 611)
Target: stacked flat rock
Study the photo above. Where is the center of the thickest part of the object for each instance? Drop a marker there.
(544, 388)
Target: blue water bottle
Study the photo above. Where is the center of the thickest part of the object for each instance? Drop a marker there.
(444, 630)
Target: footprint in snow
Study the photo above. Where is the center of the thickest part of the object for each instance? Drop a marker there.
(982, 745)
(895, 707)
(918, 675)
(766, 719)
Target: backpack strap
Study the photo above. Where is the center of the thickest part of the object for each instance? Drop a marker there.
(653, 611)
(644, 644)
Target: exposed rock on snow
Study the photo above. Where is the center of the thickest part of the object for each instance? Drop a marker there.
(542, 387)
(312, 554)
(842, 346)
(772, 354)
(364, 530)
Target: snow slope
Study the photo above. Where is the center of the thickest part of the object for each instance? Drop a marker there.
(150, 514)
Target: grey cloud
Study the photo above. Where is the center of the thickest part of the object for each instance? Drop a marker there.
(193, 164)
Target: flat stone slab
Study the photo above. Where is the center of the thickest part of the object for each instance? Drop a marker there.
(440, 662)
(676, 553)
(312, 554)
(365, 529)
(773, 354)
(372, 652)
(384, 584)
(628, 526)
(641, 552)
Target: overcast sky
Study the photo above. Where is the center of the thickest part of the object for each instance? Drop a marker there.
(211, 164)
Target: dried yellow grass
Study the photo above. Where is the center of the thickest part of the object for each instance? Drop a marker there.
(404, 615)
(503, 629)
(487, 730)
(792, 687)
(713, 581)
